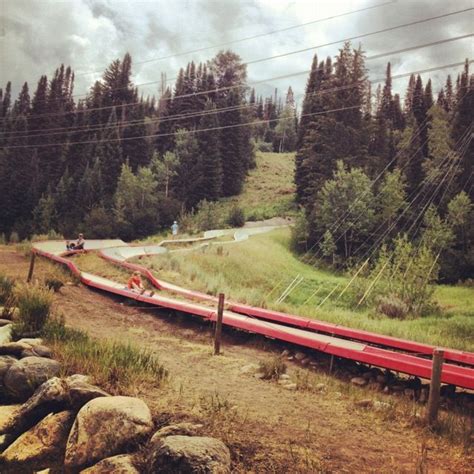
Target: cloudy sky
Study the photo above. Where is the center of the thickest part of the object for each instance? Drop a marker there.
(36, 36)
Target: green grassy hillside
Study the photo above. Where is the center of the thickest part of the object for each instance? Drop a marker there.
(257, 271)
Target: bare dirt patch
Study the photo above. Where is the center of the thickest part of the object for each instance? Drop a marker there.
(267, 427)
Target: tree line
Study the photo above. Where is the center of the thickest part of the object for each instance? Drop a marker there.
(116, 163)
(370, 167)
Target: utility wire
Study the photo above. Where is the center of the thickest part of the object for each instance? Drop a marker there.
(378, 56)
(248, 38)
(381, 79)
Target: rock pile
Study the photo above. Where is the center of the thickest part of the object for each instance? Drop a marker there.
(69, 425)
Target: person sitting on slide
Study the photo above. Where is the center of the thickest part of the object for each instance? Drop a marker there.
(135, 283)
(79, 245)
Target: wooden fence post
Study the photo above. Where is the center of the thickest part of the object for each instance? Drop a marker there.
(218, 333)
(435, 385)
(32, 267)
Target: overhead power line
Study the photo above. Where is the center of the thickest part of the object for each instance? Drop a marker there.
(98, 127)
(363, 35)
(249, 38)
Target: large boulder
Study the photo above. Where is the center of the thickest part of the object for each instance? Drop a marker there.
(14, 348)
(7, 414)
(189, 454)
(121, 464)
(42, 445)
(6, 333)
(26, 375)
(80, 392)
(104, 427)
(49, 397)
(5, 362)
(186, 429)
(38, 351)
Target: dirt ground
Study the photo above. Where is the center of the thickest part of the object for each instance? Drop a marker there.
(268, 427)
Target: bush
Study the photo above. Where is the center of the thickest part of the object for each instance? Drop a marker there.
(272, 369)
(265, 147)
(392, 307)
(236, 217)
(99, 223)
(34, 307)
(6, 288)
(14, 238)
(3, 239)
(207, 216)
(24, 247)
(53, 284)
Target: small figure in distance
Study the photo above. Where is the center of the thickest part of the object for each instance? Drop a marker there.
(79, 245)
(174, 229)
(135, 283)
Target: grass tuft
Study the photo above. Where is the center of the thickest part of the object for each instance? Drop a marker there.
(272, 369)
(34, 307)
(117, 367)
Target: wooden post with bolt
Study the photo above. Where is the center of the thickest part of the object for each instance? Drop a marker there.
(218, 333)
(435, 385)
(32, 267)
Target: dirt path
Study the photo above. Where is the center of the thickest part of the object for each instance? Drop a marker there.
(269, 428)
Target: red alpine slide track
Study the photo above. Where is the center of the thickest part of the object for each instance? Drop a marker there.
(391, 353)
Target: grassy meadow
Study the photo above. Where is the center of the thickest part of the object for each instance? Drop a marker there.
(258, 271)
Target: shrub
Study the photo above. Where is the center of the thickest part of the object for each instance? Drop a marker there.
(53, 284)
(3, 239)
(236, 217)
(392, 307)
(6, 288)
(34, 307)
(24, 247)
(14, 238)
(207, 216)
(272, 369)
(265, 147)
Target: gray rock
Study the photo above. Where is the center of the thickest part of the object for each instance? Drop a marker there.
(359, 381)
(7, 414)
(300, 355)
(78, 377)
(6, 333)
(285, 353)
(38, 351)
(184, 429)
(26, 375)
(41, 445)
(5, 441)
(50, 396)
(121, 464)
(193, 455)
(5, 362)
(81, 392)
(249, 369)
(104, 427)
(32, 341)
(14, 348)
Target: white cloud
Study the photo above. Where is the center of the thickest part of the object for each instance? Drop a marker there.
(89, 34)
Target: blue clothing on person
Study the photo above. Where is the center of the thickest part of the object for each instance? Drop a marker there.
(174, 228)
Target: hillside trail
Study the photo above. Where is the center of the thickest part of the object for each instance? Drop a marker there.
(276, 429)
